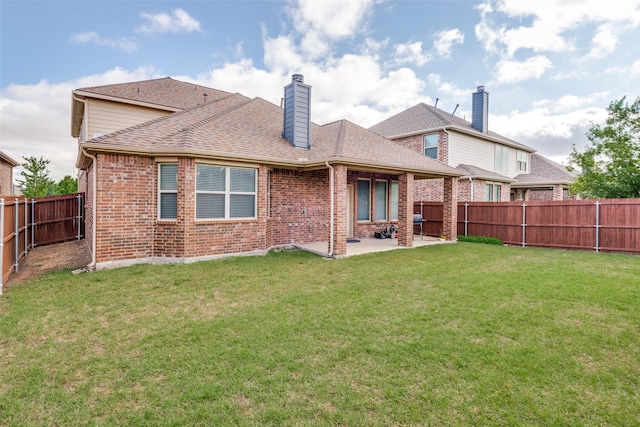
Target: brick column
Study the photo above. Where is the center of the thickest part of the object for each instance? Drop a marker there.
(558, 193)
(405, 209)
(450, 214)
(340, 211)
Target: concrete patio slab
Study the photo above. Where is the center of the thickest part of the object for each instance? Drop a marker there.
(368, 245)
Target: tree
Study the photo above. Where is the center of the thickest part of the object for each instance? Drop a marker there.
(67, 185)
(610, 164)
(36, 181)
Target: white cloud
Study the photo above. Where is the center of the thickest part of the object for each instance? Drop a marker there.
(445, 41)
(635, 69)
(178, 21)
(603, 42)
(508, 71)
(552, 24)
(94, 38)
(411, 53)
(320, 22)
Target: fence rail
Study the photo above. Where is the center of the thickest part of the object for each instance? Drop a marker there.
(27, 223)
(611, 225)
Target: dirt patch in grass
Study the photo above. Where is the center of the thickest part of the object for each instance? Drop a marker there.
(46, 259)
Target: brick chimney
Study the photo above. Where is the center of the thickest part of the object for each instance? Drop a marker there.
(297, 112)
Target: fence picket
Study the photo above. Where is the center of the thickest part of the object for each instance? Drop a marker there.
(563, 224)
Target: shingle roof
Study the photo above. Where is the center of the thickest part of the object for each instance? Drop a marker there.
(471, 171)
(239, 128)
(544, 172)
(423, 118)
(164, 92)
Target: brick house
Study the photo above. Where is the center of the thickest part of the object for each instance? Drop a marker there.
(495, 168)
(6, 174)
(222, 174)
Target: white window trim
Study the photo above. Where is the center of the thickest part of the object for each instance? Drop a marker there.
(358, 199)
(519, 162)
(503, 167)
(227, 194)
(160, 192)
(391, 200)
(424, 145)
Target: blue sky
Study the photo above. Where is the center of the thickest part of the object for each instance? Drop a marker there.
(551, 67)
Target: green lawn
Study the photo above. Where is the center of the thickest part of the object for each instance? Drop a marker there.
(464, 334)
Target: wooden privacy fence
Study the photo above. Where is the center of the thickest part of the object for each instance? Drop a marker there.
(611, 225)
(27, 223)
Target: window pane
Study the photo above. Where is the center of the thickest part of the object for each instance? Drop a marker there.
(488, 192)
(168, 206)
(394, 199)
(242, 206)
(243, 180)
(209, 206)
(381, 200)
(497, 189)
(168, 177)
(431, 145)
(364, 201)
(210, 178)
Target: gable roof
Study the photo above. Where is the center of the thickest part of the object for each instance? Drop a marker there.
(423, 118)
(544, 172)
(236, 128)
(163, 94)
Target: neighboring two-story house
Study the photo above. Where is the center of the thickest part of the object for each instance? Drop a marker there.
(177, 172)
(6, 174)
(495, 168)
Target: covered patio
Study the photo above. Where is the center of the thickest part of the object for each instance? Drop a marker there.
(369, 245)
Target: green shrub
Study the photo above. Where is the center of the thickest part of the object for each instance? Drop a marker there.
(480, 239)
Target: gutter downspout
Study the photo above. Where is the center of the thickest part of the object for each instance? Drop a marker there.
(331, 231)
(472, 188)
(84, 128)
(94, 198)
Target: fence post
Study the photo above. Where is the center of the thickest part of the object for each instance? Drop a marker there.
(78, 216)
(26, 226)
(597, 225)
(33, 223)
(524, 224)
(16, 236)
(1, 242)
(466, 217)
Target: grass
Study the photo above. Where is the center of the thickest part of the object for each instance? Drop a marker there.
(441, 335)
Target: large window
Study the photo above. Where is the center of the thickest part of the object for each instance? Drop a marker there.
(394, 200)
(224, 192)
(364, 200)
(431, 145)
(502, 159)
(168, 191)
(492, 192)
(521, 161)
(380, 213)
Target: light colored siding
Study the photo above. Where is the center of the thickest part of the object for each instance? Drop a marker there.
(105, 117)
(464, 149)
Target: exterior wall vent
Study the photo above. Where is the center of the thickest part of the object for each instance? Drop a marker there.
(480, 110)
(297, 112)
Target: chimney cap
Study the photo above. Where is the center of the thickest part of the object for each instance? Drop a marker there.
(297, 78)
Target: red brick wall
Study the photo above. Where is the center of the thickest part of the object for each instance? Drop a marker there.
(126, 207)
(299, 206)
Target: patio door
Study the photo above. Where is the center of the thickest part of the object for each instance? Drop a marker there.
(349, 211)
